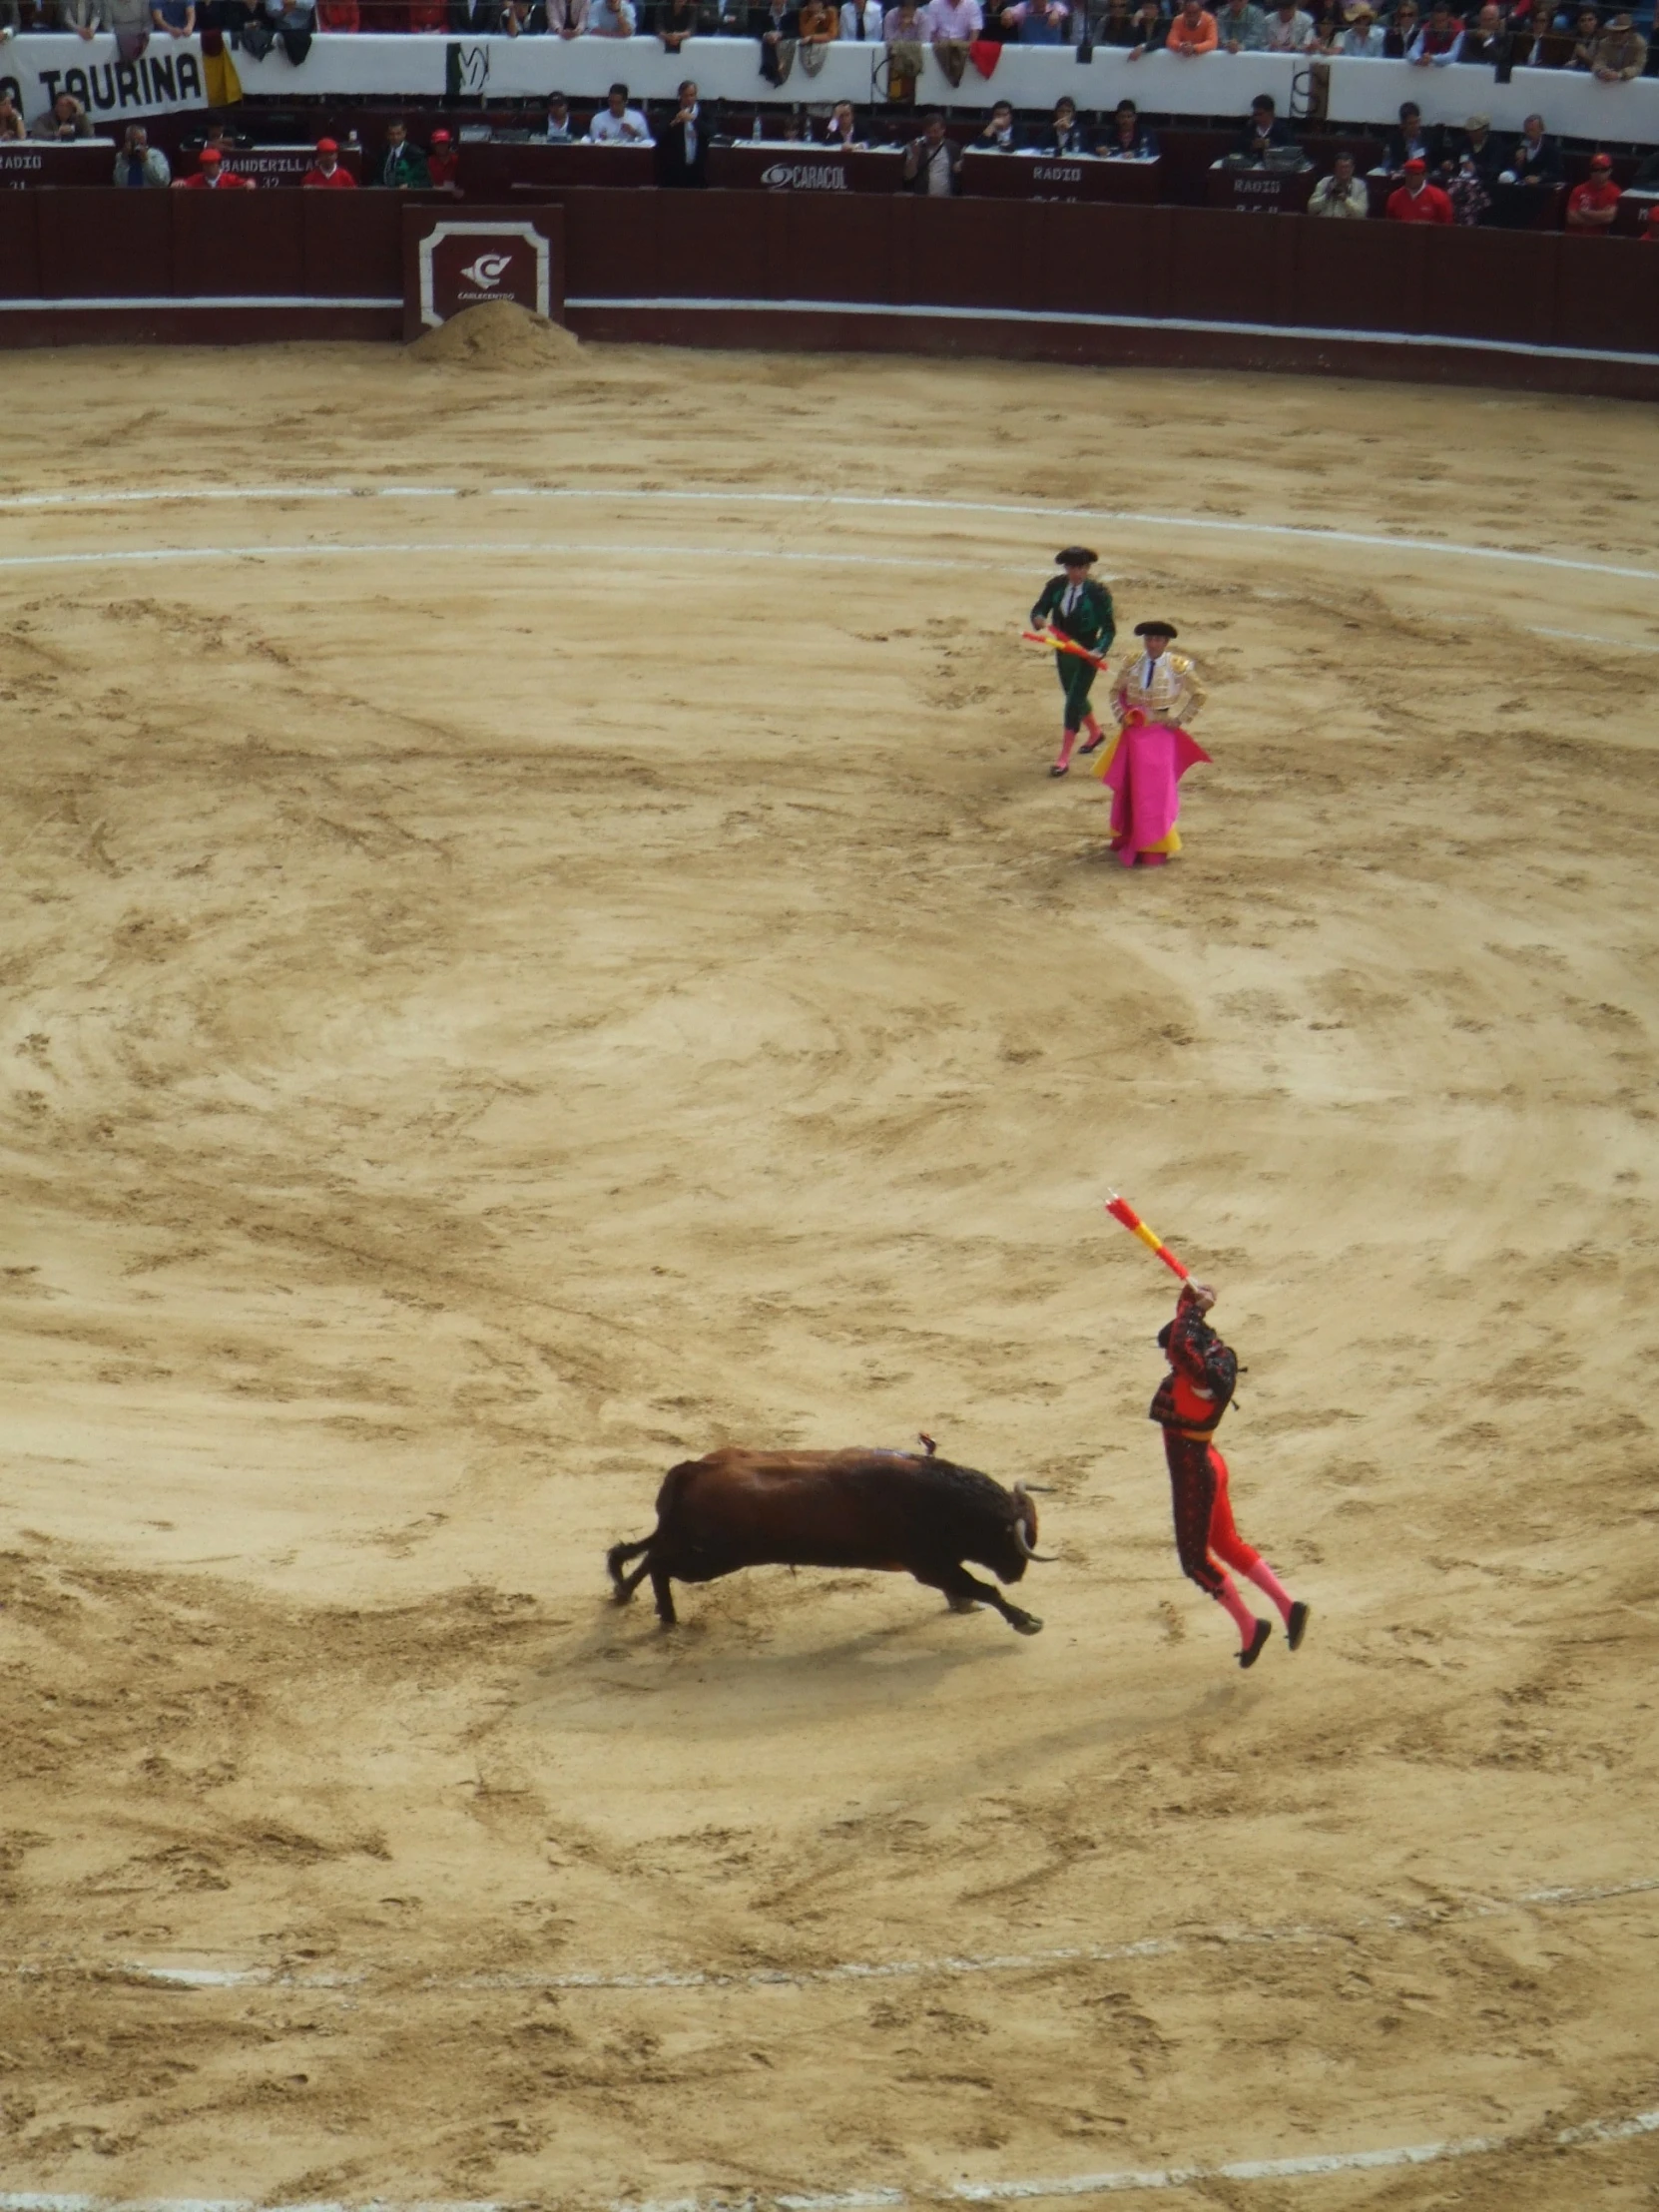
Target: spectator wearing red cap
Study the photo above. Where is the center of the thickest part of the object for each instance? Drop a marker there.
(1418, 200)
(213, 176)
(443, 162)
(326, 173)
(1593, 205)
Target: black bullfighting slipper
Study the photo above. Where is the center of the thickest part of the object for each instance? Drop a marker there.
(1253, 1652)
(1094, 744)
(1060, 767)
(1297, 1626)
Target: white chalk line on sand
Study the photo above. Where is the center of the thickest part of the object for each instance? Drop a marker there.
(1127, 2179)
(162, 556)
(1425, 1919)
(1319, 533)
(1120, 2182)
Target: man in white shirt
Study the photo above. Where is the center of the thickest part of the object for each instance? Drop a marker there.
(1340, 194)
(1289, 29)
(561, 124)
(860, 19)
(611, 19)
(953, 25)
(931, 161)
(617, 123)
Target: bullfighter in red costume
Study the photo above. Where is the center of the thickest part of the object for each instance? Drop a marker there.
(1190, 1403)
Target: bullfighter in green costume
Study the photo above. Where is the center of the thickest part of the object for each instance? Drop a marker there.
(1080, 608)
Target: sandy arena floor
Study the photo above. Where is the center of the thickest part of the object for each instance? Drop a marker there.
(547, 985)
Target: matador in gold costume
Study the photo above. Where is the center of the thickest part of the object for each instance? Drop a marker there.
(1155, 693)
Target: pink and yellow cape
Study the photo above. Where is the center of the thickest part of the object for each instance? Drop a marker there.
(1142, 768)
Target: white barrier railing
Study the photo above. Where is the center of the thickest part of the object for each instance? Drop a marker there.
(416, 67)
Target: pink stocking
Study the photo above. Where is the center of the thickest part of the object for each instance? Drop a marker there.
(1243, 1618)
(1066, 744)
(1265, 1579)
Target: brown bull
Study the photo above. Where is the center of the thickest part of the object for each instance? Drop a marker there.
(903, 1513)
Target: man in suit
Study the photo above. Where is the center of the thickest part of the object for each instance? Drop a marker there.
(1079, 607)
(1537, 160)
(1266, 129)
(404, 165)
(683, 150)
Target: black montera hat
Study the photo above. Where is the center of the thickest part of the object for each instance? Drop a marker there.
(1076, 556)
(1155, 629)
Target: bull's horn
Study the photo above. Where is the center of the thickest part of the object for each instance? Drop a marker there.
(1024, 1543)
(1022, 1492)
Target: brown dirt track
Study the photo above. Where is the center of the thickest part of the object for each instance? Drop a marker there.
(479, 1025)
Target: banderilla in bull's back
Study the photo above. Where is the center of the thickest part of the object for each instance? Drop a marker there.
(899, 1512)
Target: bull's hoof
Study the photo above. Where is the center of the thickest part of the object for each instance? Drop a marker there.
(1027, 1624)
(621, 1595)
(962, 1604)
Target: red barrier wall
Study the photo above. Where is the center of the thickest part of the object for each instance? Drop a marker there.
(1309, 291)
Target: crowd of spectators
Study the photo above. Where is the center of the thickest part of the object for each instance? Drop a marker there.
(1432, 34)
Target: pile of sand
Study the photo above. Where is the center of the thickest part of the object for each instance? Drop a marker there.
(498, 335)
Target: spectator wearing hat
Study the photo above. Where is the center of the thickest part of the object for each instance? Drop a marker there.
(1155, 695)
(1435, 45)
(1416, 200)
(1078, 606)
(1537, 160)
(932, 162)
(1363, 39)
(1241, 27)
(617, 123)
(1340, 194)
(1267, 130)
(326, 173)
(1479, 147)
(1621, 51)
(404, 165)
(141, 164)
(561, 124)
(1193, 33)
(1593, 205)
(1130, 140)
(443, 161)
(213, 176)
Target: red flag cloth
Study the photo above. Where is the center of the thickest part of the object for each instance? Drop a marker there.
(986, 53)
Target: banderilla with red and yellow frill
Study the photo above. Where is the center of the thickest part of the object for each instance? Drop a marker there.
(1121, 1209)
(1049, 638)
